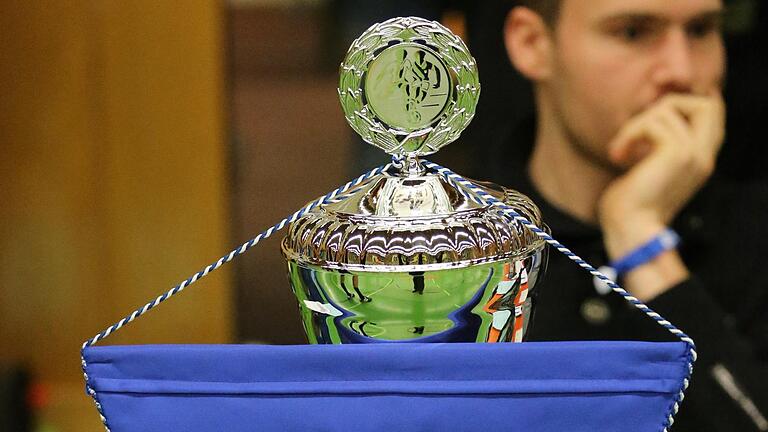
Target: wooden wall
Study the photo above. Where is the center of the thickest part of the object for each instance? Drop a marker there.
(113, 182)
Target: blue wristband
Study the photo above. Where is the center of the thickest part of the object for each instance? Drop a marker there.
(666, 240)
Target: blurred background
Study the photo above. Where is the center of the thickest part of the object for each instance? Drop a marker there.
(139, 141)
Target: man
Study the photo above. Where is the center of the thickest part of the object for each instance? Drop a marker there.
(630, 120)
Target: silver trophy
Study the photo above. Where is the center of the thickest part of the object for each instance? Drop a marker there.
(406, 256)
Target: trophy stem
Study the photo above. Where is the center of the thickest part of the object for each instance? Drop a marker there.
(412, 166)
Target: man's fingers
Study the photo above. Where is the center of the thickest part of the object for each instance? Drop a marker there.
(636, 139)
(715, 123)
(654, 130)
(706, 116)
(698, 139)
(686, 103)
(633, 133)
(689, 126)
(674, 120)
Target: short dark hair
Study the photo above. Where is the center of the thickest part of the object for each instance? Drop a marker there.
(548, 9)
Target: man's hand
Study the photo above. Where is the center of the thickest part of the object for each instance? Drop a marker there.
(670, 151)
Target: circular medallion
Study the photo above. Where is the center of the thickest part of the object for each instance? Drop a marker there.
(408, 86)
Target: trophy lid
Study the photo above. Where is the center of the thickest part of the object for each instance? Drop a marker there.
(396, 222)
(409, 86)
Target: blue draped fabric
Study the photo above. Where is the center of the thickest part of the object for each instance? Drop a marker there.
(534, 386)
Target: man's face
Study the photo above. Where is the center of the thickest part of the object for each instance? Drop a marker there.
(615, 58)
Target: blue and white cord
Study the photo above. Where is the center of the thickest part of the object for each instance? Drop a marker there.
(466, 188)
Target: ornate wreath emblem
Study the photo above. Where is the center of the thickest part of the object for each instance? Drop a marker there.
(408, 86)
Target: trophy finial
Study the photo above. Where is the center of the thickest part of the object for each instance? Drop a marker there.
(408, 86)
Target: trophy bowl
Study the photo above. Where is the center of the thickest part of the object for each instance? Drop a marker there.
(407, 258)
(451, 305)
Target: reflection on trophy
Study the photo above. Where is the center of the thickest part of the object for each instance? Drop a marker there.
(406, 255)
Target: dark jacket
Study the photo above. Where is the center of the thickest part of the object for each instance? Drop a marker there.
(723, 306)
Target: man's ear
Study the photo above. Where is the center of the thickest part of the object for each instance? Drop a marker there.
(529, 43)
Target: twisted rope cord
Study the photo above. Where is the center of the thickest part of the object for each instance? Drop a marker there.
(336, 195)
(480, 196)
(467, 189)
